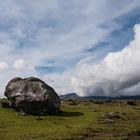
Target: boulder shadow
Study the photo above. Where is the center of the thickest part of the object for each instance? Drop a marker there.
(71, 114)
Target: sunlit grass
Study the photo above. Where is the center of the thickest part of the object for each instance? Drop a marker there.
(75, 120)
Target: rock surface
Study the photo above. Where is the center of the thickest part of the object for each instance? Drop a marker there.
(32, 96)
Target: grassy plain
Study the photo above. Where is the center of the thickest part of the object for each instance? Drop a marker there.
(85, 120)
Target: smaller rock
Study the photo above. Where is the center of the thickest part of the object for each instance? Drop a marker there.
(109, 121)
(131, 103)
(73, 102)
(94, 110)
(134, 135)
(123, 113)
(39, 119)
(4, 104)
(21, 113)
(112, 115)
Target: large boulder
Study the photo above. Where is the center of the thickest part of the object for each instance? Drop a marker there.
(32, 96)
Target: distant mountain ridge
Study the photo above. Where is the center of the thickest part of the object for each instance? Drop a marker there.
(69, 96)
(74, 96)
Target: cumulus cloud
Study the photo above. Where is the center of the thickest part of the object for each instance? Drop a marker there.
(19, 64)
(57, 34)
(117, 74)
(3, 66)
(60, 81)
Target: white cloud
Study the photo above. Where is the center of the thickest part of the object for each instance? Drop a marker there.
(118, 73)
(60, 81)
(54, 31)
(3, 66)
(19, 64)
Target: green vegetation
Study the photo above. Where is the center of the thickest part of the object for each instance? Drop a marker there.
(83, 120)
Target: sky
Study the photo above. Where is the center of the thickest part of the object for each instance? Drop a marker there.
(89, 47)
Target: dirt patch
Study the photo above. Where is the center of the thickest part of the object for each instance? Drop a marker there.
(91, 134)
(134, 135)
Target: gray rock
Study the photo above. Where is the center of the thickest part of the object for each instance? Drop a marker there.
(32, 96)
(21, 113)
(109, 120)
(112, 115)
(4, 103)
